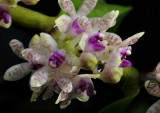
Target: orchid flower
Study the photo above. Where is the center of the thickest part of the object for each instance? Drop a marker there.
(76, 23)
(155, 108)
(5, 16)
(93, 42)
(40, 57)
(82, 89)
(5, 5)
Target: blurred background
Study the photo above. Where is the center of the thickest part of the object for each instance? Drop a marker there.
(15, 96)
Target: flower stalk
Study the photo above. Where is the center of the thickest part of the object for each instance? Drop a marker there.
(32, 19)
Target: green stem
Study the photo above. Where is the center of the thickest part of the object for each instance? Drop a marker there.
(32, 19)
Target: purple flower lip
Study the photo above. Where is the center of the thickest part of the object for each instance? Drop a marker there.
(76, 30)
(124, 53)
(84, 85)
(125, 63)
(5, 15)
(35, 66)
(108, 44)
(57, 59)
(94, 42)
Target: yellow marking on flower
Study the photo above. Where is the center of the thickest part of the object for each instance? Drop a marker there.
(84, 97)
(117, 74)
(92, 62)
(35, 40)
(110, 48)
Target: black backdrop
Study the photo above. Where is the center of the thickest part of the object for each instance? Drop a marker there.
(15, 96)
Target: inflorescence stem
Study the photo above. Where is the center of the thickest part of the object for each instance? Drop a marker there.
(32, 19)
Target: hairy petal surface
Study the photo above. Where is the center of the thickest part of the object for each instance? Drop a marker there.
(17, 72)
(48, 44)
(16, 47)
(64, 83)
(155, 108)
(67, 6)
(39, 78)
(35, 43)
(86, 7)
(33, 56)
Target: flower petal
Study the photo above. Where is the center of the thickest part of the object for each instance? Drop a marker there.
(152, 88)
(64, 83)
(64, 104)
(39, 78)
(48, 44)
(107, 21)
(63, 23)
(33, 56)
(83, 41)
(94, 76)
(158, 72)
(113, 39)
(76, 29)
(85, 23)
(158, 68)
(94, 20)
(35, 43)
(16, 47)
(131, 40)
(86, 7)
(67, 6)
(125, 63)
(5, 17)
(62, 96)
(17, 72)
(38, 90)
(155, 108)
(49, 92)
(36, 94)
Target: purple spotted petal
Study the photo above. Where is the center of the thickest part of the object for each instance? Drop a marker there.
(5, 15)
(76, 30)
(84, 85)
(94, 42)
(57, 59)
(125, 63)
(35, 66)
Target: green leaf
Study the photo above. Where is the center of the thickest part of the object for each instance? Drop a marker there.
(139, 105)
(102, 8)
(119, 106)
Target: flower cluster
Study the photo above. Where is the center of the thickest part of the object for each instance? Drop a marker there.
(5, 5)
(83, 44)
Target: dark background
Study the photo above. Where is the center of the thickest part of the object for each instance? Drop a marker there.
(15, 96)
